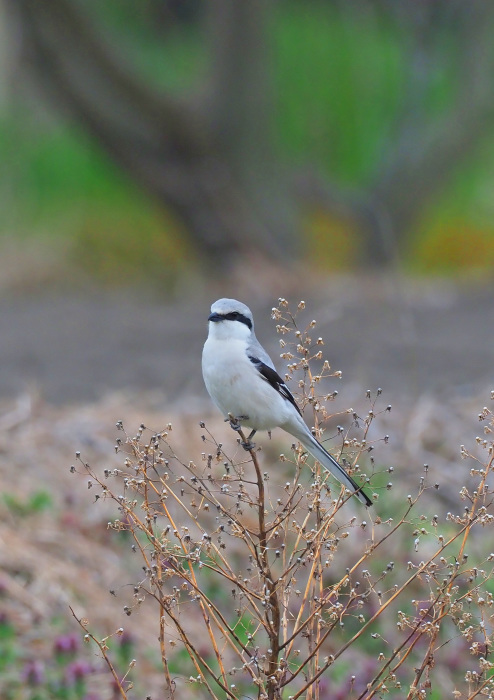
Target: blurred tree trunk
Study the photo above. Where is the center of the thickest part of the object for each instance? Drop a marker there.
(425, 150)
(188, 155)
(422, 152)
(209, 159)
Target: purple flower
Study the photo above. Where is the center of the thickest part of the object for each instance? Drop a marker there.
(33, 672)
(66, 644)
(324, 687)
(77, 671)
(126, 639)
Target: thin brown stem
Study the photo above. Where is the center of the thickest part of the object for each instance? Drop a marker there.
(273, 614)
(102, 647)
(473, 517)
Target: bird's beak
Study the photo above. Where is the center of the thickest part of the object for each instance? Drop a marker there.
(215, 317)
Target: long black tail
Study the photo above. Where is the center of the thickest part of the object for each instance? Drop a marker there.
(318, 452)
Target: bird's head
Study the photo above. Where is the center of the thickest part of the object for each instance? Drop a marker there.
(230, 318)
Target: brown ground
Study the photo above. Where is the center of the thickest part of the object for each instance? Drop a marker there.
(71, 365)
(408, 337)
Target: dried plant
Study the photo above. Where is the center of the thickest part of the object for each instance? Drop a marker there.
(272, 582)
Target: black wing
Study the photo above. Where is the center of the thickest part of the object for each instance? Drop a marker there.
(274, 379)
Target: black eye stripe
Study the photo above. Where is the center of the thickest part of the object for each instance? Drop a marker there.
(236, 316)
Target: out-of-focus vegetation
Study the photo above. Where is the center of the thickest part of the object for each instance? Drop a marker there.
(338, 86)
(63, 190)
(408, 585)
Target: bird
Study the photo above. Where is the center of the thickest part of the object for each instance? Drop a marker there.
(243, 383)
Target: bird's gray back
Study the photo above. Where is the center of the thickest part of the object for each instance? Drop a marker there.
(255, 349)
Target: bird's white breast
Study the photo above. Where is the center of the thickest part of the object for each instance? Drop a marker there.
(237, 388)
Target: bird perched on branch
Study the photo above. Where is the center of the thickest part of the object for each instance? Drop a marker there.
(244, 384)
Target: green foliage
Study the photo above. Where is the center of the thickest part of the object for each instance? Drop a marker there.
(33, 504)
(62, 186)
(457, 232)
(339, 78)
(171, 56)
(8, 650)
(339, 87)
(54, 170)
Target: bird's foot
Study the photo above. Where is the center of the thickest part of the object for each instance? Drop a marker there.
(248, 445)
(236, 421)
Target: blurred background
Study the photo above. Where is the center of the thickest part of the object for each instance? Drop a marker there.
(197, 149)
(157, 155)
(188, 150)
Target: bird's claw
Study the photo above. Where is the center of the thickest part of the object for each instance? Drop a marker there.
(248, 445)
(236, 421)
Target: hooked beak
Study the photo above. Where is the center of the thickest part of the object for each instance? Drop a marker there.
(215, 317)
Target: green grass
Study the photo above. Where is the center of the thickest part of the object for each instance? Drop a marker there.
(61, 186)
(338, 88)
(456, 232)
(34, 503)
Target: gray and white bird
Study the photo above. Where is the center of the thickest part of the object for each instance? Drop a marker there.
(243, 382)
